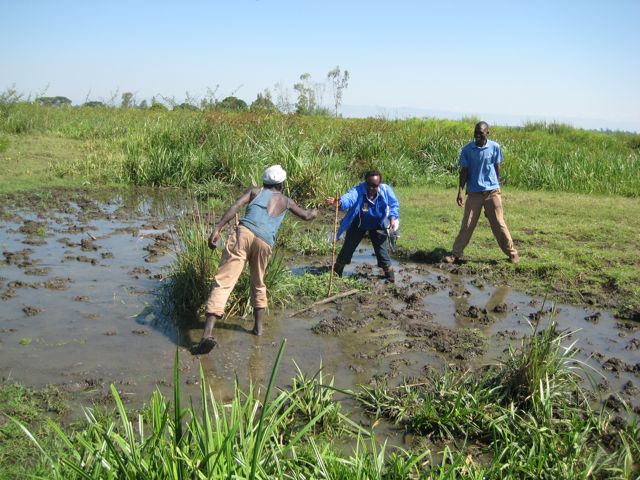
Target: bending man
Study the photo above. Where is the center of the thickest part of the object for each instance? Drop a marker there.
(480, 172)
(368, 205)
(251, 240)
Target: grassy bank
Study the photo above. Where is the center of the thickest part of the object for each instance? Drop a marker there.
(322, 155)
(582, 249)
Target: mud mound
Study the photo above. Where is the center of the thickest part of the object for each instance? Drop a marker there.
(460, 344)
(339, 324)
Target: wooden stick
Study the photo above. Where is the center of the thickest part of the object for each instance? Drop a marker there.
(333, 254)
(327, 300)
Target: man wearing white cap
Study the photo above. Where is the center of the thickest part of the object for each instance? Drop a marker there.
(251, 240)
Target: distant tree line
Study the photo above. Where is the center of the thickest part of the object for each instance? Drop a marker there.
(309, 98)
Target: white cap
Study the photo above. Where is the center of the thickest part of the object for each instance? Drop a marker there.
(273, 175)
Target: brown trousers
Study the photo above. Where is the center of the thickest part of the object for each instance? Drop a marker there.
(242, 245)
(492, 203)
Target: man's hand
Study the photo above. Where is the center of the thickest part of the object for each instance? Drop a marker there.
(459, 199)
(392, 224)
(213, 239)
(332, 201)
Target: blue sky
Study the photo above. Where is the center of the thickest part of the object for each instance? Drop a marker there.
(575, 61)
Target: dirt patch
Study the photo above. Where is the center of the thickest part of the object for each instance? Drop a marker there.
(459, 344)
(19, 258)
(30, 311)
(339, 324)
(88, 245)
(162, 243)
(630, 389)
(41, 272)
(33, 228)
(56, 283)
(634, 344)
(414, 292)
(475, 315)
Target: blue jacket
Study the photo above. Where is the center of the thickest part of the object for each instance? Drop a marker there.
(352, 201)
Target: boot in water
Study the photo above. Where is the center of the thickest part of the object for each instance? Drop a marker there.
(258, 315)
(207, 342)
(389, 275)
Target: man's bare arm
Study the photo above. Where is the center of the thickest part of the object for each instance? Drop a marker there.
(301, 212)
(229, 214)
(462, 181)
(497, 167)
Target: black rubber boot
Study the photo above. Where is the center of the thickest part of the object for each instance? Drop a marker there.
(207, 341)
(389, 274)
(258, 315)
(338, 268)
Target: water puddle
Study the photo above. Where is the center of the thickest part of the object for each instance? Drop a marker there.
(80, 308)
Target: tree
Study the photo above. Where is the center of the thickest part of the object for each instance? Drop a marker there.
(263, 102)
(231, 103)
(338, 84)
(127, 100)
(283, 98)
(306, 102)
(94, 104)
(53, 101)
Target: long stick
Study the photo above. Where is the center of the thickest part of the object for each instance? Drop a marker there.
(327, 300)
(333, 255)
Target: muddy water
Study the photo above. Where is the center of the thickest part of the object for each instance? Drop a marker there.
(81, 308)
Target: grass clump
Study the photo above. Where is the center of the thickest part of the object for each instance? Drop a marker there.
(528, 417)
(191, 275)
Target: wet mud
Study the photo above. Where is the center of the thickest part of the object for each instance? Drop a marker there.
(87, 292)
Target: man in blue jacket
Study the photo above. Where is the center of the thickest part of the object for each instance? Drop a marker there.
(369, 205)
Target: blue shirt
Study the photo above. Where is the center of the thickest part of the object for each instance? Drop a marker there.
(372, 214)
(481, 162)
(352, 202)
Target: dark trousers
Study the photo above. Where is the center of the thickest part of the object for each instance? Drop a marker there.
(352, 239)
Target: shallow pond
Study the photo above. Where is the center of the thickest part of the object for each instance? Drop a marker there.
(81, 308)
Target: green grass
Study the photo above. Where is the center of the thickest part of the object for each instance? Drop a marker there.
(577, 248)
(322, 155)
(31, 407)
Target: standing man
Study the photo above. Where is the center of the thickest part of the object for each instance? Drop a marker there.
(368, 205)
(251, 240)
(480, 172)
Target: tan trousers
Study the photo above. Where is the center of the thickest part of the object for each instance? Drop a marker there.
(492, 203)
(242, 245)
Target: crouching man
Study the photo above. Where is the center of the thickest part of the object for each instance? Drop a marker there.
(368, 205)
(252, 240)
